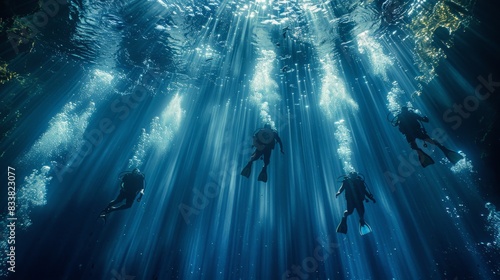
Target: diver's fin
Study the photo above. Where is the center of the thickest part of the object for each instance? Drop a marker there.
(424, 158)
(364, 228)
(247, 170)
(263, 175)
(342, 227)
(452, 156)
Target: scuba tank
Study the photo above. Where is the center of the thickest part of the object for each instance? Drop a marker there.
(263, 137)
(356, 183)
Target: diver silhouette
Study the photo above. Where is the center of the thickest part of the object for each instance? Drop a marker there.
(355, 192)
(264, 141)
(132, 183)
(410, 126)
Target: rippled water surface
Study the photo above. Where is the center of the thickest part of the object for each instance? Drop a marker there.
(92, 88)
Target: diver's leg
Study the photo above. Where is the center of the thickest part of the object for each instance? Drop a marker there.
(117, 200)
(361, 211)
(347, 213)
(127, 204)
(424, 158)
(350, 209)
(342, 227)
(248, 168)
(432, 141)
(413, 145)
(114, 202)
(426, 138)
(255, 156)
(412, 140)
(263, 172)
(452, 156)
(267, 157)
(121, 207)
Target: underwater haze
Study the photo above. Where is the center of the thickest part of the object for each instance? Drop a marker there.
(176, 88)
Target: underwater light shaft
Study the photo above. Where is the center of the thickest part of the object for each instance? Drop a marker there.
(178, 90)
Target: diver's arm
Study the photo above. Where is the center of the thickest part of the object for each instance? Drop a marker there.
(278, 139)
(340, 190)
(141, 193)
(369, 195)
(419, 117)
(424, 118)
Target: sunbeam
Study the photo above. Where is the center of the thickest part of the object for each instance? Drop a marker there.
(209, 139)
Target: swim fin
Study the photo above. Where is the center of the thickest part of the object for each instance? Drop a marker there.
(364, 228)
(342, 227)
(424, 158)
(452, 156)
(263, 175)
(247, 170)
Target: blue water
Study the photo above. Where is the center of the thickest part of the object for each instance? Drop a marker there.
(177, 89)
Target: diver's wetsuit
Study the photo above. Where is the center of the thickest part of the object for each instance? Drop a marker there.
(132, 184)
(267, 148)
(264, 141)
(410, 126)
(355, 193)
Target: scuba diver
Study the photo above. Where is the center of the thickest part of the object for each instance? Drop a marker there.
(355, 192)
(264, 141)
(132, 183)
(409, 124)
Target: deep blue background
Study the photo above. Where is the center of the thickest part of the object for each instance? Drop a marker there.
(431, 226)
